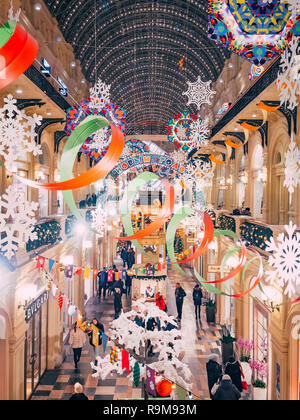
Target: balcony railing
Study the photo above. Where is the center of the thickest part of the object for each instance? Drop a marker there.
(226, 223)
(48, 233)
(256, 234)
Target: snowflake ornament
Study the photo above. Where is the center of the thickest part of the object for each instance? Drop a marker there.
(285, 260)
(292, 168)
(200, 170)
(288, 81)
(12, 15)
(294, 6)
(101, 140)
(199, 93)
(17, 222)
(180, 156)
(99, 220)
(199, 134)
(99, 95)
(17, 133)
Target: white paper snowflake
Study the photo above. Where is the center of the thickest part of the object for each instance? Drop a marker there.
(179, 156)
(199, 134)
(17, 222)
(285, 260)
(294, 6)
(99, 220)
(99, 95)
(101, 140)
(17, 133)
(181, 133)
(288, 81)
(12, 15)
(292, 167)
(199, 93)
(200, 170)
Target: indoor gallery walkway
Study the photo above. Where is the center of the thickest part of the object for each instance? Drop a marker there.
(198, 342)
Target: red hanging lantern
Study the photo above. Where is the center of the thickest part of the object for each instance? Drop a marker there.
(164, 388)
(17, 52)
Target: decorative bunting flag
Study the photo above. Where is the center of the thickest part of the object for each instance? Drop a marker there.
(78, 271)
(43, 276)
(69, 271)
(79, 319)
(150, 381)
(60, 300)
(136, 374)
(51, 264)
(87, 272)
(114, 355)
(95, 339)
(54, 289)
(104, 341)
(40, 263)
(125, 361)
(181, 393)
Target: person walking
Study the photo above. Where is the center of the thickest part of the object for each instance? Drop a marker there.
(117, 302)
(102, 283)
(77, 340)
(128, 284)
(179, 296)
(214, 372)
(124, 256)
(78, 393)
(197, 298)
(100, 328)
(227, 391)
(234, 370)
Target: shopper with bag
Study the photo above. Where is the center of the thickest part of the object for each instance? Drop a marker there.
(227, 391)
(214, 373)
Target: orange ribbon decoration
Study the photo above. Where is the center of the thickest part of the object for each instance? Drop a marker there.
(230, 143)
(215, 160)
(100, 170)
(207, 239)
(162, 217)
(267, 107)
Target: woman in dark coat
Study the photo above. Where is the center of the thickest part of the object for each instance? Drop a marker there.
(214, 371)
(117, 302)
(227, 391)
(234, 370)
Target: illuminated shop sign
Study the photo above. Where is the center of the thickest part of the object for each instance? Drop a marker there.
(46, 68)
(63, 88)
(35, 306)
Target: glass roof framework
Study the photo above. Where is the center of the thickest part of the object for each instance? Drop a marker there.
(135, 46)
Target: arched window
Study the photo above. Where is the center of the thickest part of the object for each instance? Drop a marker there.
(44, 158)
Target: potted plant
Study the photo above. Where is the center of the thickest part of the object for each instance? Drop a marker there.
(246, 347)
(210, 311)
(227, 346)
(259, 385)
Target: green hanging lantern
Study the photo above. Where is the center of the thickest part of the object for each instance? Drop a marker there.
(136, 374)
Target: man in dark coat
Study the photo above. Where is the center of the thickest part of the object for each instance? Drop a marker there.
(227, 391)
(197, 298)
(130, 258)
(128, 284)
(124, 254)
(214, 371)
(102, 282)
(117, 302)
(179, 296)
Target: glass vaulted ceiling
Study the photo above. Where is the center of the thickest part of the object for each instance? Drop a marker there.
(136, 46)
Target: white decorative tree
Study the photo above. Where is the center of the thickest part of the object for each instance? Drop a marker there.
(128, 334)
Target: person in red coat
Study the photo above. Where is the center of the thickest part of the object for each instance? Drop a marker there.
(160, 302)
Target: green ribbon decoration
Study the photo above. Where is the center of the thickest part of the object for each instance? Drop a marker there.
(171, 232)
(84, 130)
(132, 189)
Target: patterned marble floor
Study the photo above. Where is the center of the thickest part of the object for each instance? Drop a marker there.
(199, 340)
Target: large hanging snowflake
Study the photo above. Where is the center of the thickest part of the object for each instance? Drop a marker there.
(200, 171)
(199, 134)
(199, 93)
(99, 220)
(17, 133)
(16, 224)
(99, 95)
(292, 168)
(101, 140)
(288, 81)
(285, 260)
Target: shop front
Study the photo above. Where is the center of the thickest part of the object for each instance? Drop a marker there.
(35, 351)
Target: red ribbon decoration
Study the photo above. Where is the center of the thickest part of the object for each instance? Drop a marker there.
(162, 217)
(100, 170)
(207, 239)
(17, 54)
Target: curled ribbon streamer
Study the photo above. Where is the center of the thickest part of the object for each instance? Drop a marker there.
(230, 143)
(18, 51)
(251, 127)
(207, 239)
(267, 108)
(86, 128)
(161, 218)
(215, 160)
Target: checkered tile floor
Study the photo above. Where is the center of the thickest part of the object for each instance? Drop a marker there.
(200, 341)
